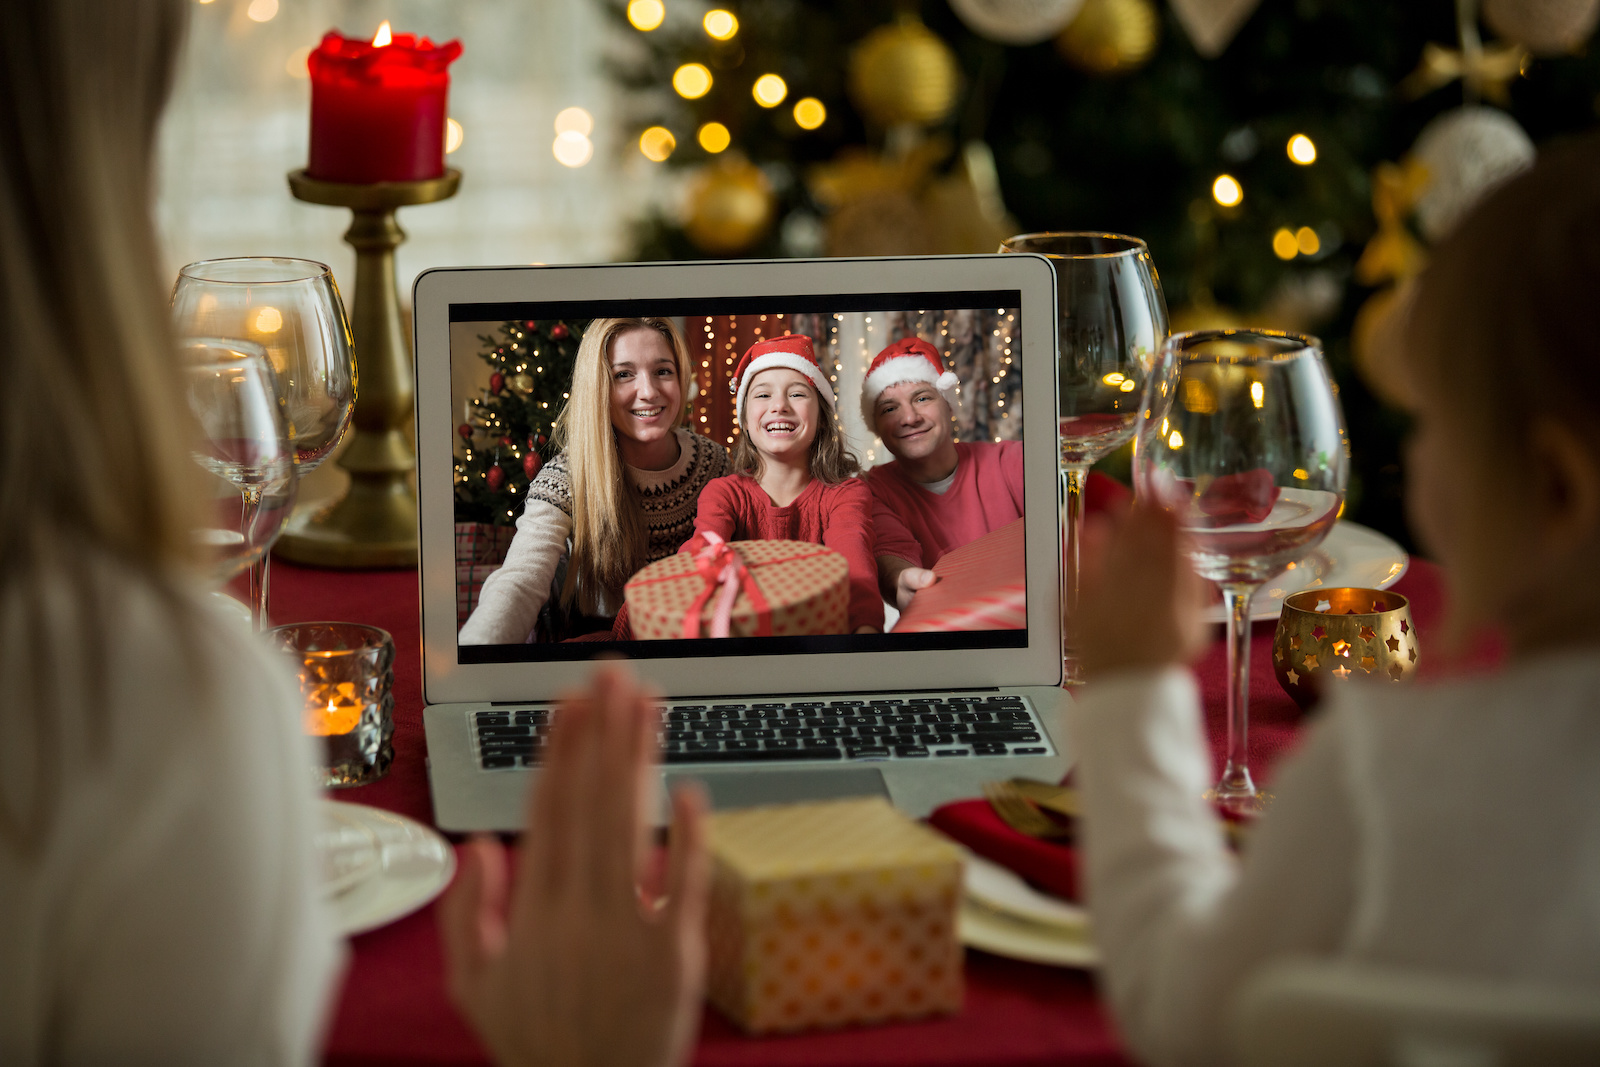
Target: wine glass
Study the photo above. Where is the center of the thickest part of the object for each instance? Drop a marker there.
(244, 447)
(1112, 320)
(291, 308)
(1241, 435)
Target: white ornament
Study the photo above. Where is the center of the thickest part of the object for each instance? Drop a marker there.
(1467, 151)
(1016, 22)
(1544, 27)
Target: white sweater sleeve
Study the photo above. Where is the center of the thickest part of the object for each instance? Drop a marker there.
(509, 603)
(1179, 922)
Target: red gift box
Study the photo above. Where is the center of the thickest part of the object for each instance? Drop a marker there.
(742, 589)
(982, 586)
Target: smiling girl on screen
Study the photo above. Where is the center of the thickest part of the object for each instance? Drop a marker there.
(620, 494)
(792, 477)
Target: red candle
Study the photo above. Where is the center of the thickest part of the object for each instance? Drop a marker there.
(378, 107)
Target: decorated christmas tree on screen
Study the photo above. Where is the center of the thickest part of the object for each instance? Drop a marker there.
(510, 430)
(1287, 163)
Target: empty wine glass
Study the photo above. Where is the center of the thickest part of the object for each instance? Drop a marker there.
(1112, 320)
(291, 308)
(1241, 435)
(244, 447)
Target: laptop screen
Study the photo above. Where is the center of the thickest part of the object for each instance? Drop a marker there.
(594, 438)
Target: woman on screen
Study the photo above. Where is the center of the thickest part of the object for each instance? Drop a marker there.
(620, 494)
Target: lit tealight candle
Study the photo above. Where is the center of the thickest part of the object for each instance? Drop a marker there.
(378, 107)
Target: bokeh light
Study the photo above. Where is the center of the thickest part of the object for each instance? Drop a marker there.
(296, 63)
(572, 149)
(1302, 149)
(1227, 191)
(574, 120)
(262, 10)
(769, 90)
(1306, 240)
(1284, 246)
(720, 24)
(809, 113)
(692, 81)
(714, 137)
(453, 135)
(657, 143)
(646, 15)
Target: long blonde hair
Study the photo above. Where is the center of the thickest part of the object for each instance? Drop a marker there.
(93, 434)
(609, 539)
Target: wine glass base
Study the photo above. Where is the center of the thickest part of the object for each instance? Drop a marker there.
(1244, 805)
(1071, 671)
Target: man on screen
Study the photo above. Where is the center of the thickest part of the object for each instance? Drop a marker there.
(937, 494)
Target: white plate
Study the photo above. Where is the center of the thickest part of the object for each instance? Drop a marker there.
(413, 866)
(1351, 555)
(1004, 915)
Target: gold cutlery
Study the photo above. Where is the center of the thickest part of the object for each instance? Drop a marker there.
(1019, 813)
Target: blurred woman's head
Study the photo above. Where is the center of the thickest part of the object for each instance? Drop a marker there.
(1501, 360)
(93, 437)
(626, 401)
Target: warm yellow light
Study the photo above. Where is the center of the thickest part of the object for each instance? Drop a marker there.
(769, 90)
(1284, 246)
(1302, 149)
(574, 120)
(720, 24)
(268, 320)
(572, 149)
(809, 113)
(1301, 474)
(1258, 394)
(384, 36)
(692, 81)
(714, 137)
(1116, 377)
(1305, 239)
(296, 64)
(1128, 386)
(657, 143)
(1175, 440)
(646, 15)
(453, 135)
(1226, 190)
(262, 10)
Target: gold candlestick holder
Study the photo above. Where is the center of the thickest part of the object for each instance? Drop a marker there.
(375, 523)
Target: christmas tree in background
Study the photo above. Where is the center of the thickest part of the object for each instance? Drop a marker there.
(1287, 162)
(511, 428)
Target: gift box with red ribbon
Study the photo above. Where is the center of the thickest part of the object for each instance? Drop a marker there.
(982, 586)
(741, 589)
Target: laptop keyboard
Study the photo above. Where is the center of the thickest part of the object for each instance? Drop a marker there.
(782, 731)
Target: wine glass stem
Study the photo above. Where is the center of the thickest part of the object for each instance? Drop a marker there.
(1236, 784)
(258, 570)
(1073, 479)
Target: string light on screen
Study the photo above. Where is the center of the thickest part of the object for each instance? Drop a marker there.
(646, 15)
(1302, 149)
(692, 80)
(657, 143)
(720, 24)
(1227, 191)
(809, 113)
(769, 90)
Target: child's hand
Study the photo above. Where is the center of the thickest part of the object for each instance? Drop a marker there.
(1139, 599)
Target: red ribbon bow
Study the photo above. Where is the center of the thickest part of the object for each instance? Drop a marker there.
(723, 568)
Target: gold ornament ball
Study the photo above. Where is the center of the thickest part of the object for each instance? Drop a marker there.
(903, 73)
(1111, 36)
(521, 384)
(730, 207)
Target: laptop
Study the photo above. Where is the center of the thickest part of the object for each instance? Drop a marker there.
(921, 717)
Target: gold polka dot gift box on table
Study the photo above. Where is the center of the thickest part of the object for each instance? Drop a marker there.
(832, 914)
(742, 589)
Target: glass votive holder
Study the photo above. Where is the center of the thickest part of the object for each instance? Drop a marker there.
(1333, 635)
(346, 684)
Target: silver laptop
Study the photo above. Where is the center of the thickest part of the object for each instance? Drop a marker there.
(919, 717)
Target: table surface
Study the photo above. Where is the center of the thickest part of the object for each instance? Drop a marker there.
(393, 1009)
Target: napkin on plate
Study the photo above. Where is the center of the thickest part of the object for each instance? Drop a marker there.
(1049, 865)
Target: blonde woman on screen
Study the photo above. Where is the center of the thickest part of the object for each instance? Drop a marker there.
(620, 494)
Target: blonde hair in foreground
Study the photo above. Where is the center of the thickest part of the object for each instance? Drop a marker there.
(93, 436)
(609, 539)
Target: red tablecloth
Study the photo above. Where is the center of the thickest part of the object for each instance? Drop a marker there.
(393, 1009)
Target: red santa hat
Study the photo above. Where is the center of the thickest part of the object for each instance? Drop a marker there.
(910, 359)
(792, 350)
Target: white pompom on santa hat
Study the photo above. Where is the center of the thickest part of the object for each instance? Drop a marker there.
(792, 350)
(910, 359)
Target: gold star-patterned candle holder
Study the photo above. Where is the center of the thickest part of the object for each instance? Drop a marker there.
(1338, 634)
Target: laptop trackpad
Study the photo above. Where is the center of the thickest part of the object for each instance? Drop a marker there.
(747, 789)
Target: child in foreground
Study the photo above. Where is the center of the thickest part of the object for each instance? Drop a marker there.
(1454, 828)
(792, 474)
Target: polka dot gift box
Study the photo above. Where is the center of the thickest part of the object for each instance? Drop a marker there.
(832, 914)
(742, 589)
